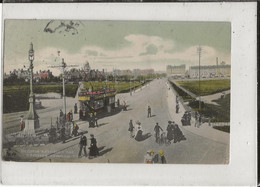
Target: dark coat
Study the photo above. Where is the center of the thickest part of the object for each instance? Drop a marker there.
(83, 141)
(93, 149)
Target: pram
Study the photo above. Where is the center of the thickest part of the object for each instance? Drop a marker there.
(163, 139)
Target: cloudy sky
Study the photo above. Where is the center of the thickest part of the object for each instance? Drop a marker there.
(115, 44)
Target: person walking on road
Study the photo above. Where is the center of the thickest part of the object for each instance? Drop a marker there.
(125, 106)
(61, 113)
(131, 128)
(82, 145)
(149, 110)
(62, 134)
(95, 119)
(22, 123)
(93, 149)
(118, 103)
(75, 108)
(75, 129)
(197, 116)
(177, 108)
(157, 129)
(162, 157)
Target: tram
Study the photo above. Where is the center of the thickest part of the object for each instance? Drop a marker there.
(97, 101)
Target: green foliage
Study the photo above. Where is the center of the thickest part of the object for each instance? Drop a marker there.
(223, 128)
(207, 87)
(15, 98)
(217, 113)
(121, 87)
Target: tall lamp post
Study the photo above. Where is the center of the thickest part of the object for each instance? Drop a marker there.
(32, 118)
(199, 52)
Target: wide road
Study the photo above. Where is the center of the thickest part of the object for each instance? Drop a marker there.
(116, 146)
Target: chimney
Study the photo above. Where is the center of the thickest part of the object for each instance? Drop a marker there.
(217, 61)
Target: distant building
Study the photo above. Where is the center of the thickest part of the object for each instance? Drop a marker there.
(222, 70)
(135, 72)
(176, 70)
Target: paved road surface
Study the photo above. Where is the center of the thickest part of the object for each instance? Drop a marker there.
(116, 145)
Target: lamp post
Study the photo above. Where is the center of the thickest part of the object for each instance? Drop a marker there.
(32, 118)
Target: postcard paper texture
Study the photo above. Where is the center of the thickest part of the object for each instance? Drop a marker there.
(148, 92)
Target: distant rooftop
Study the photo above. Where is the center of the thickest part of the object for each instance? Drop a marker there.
(210, 67)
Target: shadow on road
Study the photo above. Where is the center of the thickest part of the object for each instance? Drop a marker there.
(102, 124)
(143, 137)
(101, 153)
(153, 115)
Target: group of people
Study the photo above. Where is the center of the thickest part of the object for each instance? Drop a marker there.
(53, 137)
(93, 120)
(186, 119)
(152, 157)
(93, 149)
(174, 132)
(135, 131)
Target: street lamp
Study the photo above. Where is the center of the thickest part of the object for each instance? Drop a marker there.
(32, 118)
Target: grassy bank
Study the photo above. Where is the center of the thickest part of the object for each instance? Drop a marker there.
(207, 87)
(15, 98)
(218, 113)
(223, 128)
(121, 87)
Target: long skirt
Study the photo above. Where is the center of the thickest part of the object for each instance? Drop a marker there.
(93, 151)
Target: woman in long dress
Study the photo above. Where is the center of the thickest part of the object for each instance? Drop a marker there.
(138, 132)
(93, 149)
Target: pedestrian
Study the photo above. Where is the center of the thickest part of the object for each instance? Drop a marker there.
(82, 145)
(91, 120)
(169, 132)
(138, 132)
(93, 149)
(62, 134)
(178, 135)
(197, 119)
(162, 157)
(149, 110)
(189, 118)
(22, 123)
(68, 117)
(75, 129)
(75, 108)
(125, 107)
(177, 108)
(157, 129)
(71, 115)
(61, 113)
(80, 114)
(177, 98)
(95, 119)
(131, 128)
(148, 158)
(118, 103)
(52, 134)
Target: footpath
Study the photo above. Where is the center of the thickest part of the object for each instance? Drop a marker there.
(204, 130)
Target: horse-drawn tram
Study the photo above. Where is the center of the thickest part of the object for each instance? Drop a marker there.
(98, 101)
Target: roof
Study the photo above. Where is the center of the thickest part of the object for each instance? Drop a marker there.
(210, 67)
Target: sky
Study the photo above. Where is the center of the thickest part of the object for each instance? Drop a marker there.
(115, 44)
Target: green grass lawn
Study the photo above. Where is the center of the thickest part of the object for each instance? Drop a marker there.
(121, 87)
(207, 87)
(15, 98)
